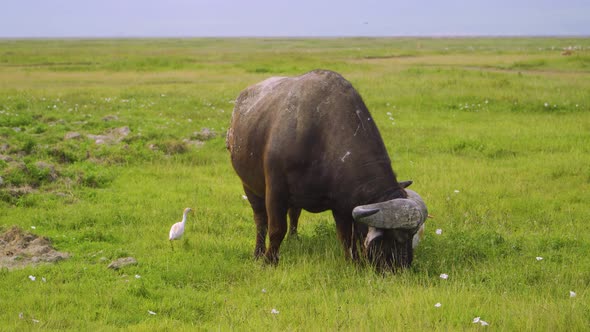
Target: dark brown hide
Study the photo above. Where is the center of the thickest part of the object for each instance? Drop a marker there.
(308, 142)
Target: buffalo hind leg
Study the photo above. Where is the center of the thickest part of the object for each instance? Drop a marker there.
(276, 209)
(294, 214)
(261, 221)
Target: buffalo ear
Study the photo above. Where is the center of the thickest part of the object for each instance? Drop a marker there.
(405, 184)
(372, 235)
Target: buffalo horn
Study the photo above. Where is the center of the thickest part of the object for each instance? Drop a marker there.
(361, 212)
(400, 213)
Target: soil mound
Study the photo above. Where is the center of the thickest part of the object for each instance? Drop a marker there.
(19, 249)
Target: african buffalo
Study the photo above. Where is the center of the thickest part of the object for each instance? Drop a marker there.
(309, 142)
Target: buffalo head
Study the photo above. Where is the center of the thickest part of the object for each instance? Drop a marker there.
(394, 227)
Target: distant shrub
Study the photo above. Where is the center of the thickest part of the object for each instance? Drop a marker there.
(89, 175)
(10, 120)
(64, 154)
(21, 105)
(466, 146)
(530, 64)
(40, 172)
(262, 70)
(39, 129)
(94, 179)
(172, 147)
(94, 235)
(28, 146)
(6, 197)
(16, 175)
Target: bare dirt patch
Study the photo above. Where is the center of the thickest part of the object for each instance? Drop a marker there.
(19, 249)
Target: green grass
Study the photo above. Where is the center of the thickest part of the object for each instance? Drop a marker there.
(495, 134)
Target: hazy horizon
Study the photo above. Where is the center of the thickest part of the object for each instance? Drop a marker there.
(293, 37)
(281, 19)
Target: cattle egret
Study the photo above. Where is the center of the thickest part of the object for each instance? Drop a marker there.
(177, 229)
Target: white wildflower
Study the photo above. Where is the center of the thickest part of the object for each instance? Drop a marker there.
(264, 290)
(438, 305)
(151, 312)
(244, 197)
(32, 278)
(274, 311)
(572, 294)
(478, 320)
(457, 191)
(539, 258)
(444, 276)
(439, 231)
(33, 227)
(546, 104)
(137, 276)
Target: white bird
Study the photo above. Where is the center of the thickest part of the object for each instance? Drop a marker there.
(177, 229)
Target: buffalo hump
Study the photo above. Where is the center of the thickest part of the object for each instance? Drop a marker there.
(315, 129)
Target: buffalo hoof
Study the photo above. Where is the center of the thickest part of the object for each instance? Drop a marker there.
(271, 258)
(258, 252)
(294, 236)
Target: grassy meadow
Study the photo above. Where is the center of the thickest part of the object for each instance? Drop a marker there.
(495, 134)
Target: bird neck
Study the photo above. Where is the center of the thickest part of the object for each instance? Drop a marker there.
(184, 217)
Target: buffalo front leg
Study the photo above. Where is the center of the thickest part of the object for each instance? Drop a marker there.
(344, 228)
(261, 221)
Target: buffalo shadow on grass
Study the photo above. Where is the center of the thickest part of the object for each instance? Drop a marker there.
(322, 244)
(435, 254)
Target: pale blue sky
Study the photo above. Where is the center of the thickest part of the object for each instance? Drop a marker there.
(185, 18)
